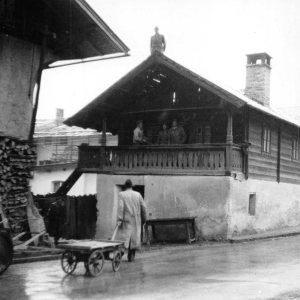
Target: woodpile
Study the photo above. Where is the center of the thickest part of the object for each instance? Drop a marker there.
(16, 162)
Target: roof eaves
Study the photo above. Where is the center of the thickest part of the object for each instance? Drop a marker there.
(131, 74)
(224, 92)
(96, 18)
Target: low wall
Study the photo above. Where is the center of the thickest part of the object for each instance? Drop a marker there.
(277, 205)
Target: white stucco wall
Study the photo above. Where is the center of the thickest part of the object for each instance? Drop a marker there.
(277, 206)
(221, 204)
(42, 182)
(169, 196)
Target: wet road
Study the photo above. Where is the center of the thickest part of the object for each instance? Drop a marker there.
(257, 270)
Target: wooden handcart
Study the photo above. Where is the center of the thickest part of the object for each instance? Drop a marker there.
(93, 254)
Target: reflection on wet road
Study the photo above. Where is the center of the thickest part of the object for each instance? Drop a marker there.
(258, 270)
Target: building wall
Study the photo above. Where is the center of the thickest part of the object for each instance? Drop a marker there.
(289, 168)
(19, 61)
(220, 204)
(277, 206)
(169, 196)
(262, 166)
(69, 151)
(42, 182)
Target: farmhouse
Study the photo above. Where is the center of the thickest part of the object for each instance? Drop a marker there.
(238, 172)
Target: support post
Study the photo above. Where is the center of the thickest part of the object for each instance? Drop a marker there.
(278, 154)
(38, 82)
(103, 137)
(229, 137)
(246, 138)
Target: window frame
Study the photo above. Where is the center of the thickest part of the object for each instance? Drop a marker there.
(266, 142)
(295, 150)
(53, 185)
(48, 140)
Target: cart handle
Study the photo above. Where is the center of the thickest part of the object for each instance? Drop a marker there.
(115, 233)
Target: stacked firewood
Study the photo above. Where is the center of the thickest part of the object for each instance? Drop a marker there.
(16, 162)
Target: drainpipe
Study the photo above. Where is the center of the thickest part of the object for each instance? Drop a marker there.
(229, 142)
(39, 79)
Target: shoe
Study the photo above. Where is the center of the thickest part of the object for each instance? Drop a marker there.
(130, 255)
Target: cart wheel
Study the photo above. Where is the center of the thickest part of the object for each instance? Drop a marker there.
(95, 263)
(68, 262)
(116, 261)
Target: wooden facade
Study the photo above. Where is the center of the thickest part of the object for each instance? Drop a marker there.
(279, 164)
(219, 126)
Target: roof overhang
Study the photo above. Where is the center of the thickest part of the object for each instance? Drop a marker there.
(125, 97)
(154, 77)
(73, 29)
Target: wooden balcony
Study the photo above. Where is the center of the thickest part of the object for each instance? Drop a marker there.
(208, 159)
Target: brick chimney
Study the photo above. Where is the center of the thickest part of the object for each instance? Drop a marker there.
(59, 118)
(258, 71)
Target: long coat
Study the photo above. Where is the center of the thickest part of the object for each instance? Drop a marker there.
(131, 212)
(177, 135)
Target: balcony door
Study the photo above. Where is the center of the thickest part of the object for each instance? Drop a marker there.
(200, 133)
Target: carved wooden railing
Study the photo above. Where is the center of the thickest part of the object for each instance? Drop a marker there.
(212, 159)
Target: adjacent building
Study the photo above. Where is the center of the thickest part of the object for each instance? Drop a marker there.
(238, 171)
(34, 34)
(56, 147)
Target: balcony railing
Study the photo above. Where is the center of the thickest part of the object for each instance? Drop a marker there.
(209, 159)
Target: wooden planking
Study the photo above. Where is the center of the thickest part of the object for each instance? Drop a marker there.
(290, 170)
(262, 166)
(289, 180)
(285, 167)
(262, 176)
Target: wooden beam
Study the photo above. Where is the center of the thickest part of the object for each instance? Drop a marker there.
(103, 136)
(168, 109)
(278, 154)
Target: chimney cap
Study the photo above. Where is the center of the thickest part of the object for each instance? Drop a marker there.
(263, 56)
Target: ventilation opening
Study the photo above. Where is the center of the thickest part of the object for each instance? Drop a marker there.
(252, 204)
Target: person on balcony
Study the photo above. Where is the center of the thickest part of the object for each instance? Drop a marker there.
(162, 138)
(138, 134)
(132, 215)
(176, 134)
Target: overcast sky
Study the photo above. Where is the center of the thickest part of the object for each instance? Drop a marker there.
(209, 37)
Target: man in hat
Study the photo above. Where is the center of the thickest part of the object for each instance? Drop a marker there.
(138, 134)
(157, 42)
(131, 216)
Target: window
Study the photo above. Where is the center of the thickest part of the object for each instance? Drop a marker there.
(63, 141)
(295, 147)
(203, 133)
(56, 185)
(48, 140)
(266, 139)
(252, 204)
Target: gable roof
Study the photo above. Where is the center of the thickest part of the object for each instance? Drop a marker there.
(110, 101)
(74, 30)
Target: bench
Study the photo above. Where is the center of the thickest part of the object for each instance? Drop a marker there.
(172, 221)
